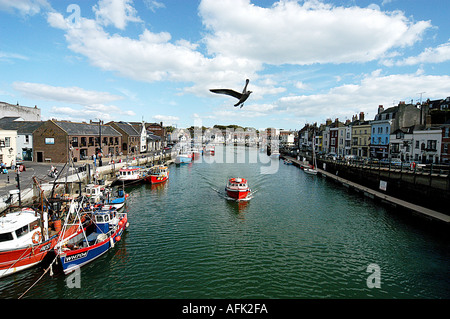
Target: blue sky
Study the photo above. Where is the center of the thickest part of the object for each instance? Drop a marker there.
(156, 60)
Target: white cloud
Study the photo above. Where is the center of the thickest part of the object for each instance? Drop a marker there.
(115, 12)
(86, 113)
(312, 32)
(73, 95)
(243, 37)
(153, 5)
(24, 7)
(152, 56)
(349, 99)
(429, 55)
(8, 56)
(166, 119)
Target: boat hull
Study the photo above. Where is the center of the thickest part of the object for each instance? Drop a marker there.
(20, 259)
(74, 259)
(16, 260)
(183, 159)
(155, 179)
(237, 194)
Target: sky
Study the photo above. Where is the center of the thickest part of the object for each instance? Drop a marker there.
(155, 60)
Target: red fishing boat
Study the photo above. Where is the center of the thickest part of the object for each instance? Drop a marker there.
(25, 240)
(237, 188)
(159, 174)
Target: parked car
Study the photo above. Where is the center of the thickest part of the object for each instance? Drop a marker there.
(331, 156)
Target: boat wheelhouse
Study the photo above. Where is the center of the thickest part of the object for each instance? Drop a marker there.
(159, 174)
(237, 188)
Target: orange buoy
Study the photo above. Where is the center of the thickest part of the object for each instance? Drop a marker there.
(57, 225)
(117, 238)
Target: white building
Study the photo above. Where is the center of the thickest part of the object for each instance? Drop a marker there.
(427, 145)
(287, 138)
(8, 147)
(401, 145)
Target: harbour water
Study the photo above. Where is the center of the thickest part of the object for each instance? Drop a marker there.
(300, 236)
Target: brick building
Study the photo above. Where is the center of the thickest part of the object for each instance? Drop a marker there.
(131, 139)
(53, 139)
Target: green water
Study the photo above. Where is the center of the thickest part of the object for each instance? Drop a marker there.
(299, 236)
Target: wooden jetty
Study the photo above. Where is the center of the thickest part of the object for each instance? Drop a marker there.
(415, 209)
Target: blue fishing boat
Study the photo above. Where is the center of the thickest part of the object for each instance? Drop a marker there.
(91, 242)
(99, 196)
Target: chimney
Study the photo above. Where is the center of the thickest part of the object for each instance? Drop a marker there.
(328, 122)
(361, 116)
(380, 109)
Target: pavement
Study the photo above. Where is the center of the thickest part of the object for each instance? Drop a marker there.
(41, 172)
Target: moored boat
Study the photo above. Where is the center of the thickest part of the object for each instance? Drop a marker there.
(209, 150)
(25, 240)
(131, 175)
(183, 158)
(99, 195)
(237, 188)
(90, 242)
(159, 174)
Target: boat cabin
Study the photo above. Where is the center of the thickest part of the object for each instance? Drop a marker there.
(102, 222)
(17, 230)
(129, 173)
(237, 182)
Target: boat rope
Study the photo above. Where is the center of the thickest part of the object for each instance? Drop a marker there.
(18, 259)
(34, 284)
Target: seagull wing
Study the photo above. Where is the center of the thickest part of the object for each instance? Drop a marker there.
(227, 92)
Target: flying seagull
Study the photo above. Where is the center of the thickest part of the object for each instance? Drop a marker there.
(242, 97)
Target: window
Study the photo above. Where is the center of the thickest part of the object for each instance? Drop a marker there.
(27, 139)
(75, 141)
(22, 231)
(446, 133)
(431, 145)
(417, 144)
(7, 142)
(6, 237)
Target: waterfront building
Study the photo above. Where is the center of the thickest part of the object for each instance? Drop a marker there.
(24, 112)
(140, 128)
(402, 144)
(287, 139)
(8, 147)
(25, 129)
(346, 132)
(159, 130)
(427, 145)
(154, 142)
(361, 131)
(53, 139)
(381, 130)
(445, 145)
(131, 139)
